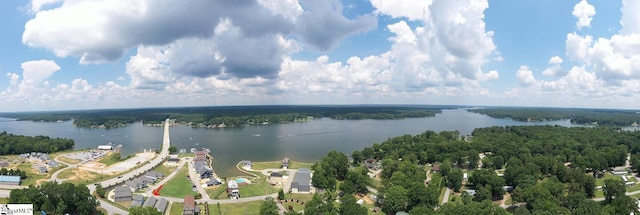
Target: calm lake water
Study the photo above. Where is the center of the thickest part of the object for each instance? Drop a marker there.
(307, 141)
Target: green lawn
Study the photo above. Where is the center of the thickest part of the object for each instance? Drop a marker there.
(600, 181)
(186, 155)
(68, 160)
(176, 208)
(245, 208)
(278, 165)
(297, 206)
(178, 186)
(599, 194)
(111, 159)
(218, 193)
(635, 187)
(4, 200)
(103, 210)
(164, 169)
(257, 189)
(442, 191)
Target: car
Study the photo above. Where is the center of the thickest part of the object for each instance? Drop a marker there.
(119, 176)
(96, 184)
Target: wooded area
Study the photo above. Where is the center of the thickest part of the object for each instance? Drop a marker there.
(54, 198)
(11, 144)
(552, 169)
(231, 116)
(578, 116)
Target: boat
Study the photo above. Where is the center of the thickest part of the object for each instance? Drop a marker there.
(256, 135)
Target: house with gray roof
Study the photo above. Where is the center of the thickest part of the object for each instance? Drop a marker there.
(137, 201)
(150, 202)
(53, 164)
(154, 174)
(122, 194)
(301, 181)
(135, 186)
(42, 169)
(161, 205)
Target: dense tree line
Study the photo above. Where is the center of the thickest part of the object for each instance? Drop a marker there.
(231, 115)
(54, 198)
(579, 116)
(19, 144)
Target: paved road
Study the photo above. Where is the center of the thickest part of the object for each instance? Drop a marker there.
(195, 179)
(166, 179)
(166, 142)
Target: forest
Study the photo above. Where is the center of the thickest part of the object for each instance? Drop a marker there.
(578, 116)
(231, 116)
(11, 144)
(552, 170)
(54, 198)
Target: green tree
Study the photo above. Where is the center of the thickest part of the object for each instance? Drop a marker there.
(100, 191)
(144, 211)
(395, 200)
(349, 205)
(482, 193)
(269, 207)
(173, 149)
(281, 194)
(455, 179)
(612, 189)
(54, 198)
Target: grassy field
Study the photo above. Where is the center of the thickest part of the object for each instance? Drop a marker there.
(245, 208)
(111, 159)
(178, 186)
(278, 165)
(600, 181)
(68, 160)
(4, 200)
(176, 208)
(218, 192)
(257, 189)
(186, 155)
(164, 169)
(32, 174)
(296, 196)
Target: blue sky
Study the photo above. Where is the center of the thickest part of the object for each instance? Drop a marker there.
(77, 54)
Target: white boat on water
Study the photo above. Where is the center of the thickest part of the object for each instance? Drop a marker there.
(256, 135)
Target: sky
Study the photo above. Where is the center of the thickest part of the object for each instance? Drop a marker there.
(88, 54)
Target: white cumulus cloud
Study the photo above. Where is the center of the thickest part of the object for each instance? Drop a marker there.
(584, 12)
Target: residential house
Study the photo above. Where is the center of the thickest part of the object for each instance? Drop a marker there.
(135, 186)
(137, 201)
(202, 169)
(122, 194)
(435, 168)
(140, 182)
(275, 178)
(150, 202)
(147, 179)
(53, 164)
(301, 181)
(161, 205)
(371, 164)
(285, 163)
(42, 169)
(213, 182)
(10, 180)
(246, 164)
(189, 206)
(232, 189)
(154, 174)
(4, 163)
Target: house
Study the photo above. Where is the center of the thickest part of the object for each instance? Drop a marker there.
(276, 178)
(189, 206)
(122, 194)
(42, 169)
(137, 201)
(301, 181)
(147, 179)
(154, 174)
(465, 176)
(151, 201)
(10, 180)
(202, 169)
(161, 205)
(246, 164)
(173, 160)
(53, 164)
(4, 163)
(285, 163)
(232, 189)
(213, 182)
(135, 186)
(436, 168)
(371, 164)
(140, 182)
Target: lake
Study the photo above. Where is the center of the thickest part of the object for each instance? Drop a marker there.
(304, 141)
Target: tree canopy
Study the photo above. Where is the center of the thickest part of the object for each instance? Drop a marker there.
(54, 198)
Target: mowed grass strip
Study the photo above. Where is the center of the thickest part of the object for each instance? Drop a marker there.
(110, 159)
(176, 209)
(178, 186)
(245, 208)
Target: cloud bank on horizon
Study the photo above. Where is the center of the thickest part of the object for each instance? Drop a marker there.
(83, 54)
